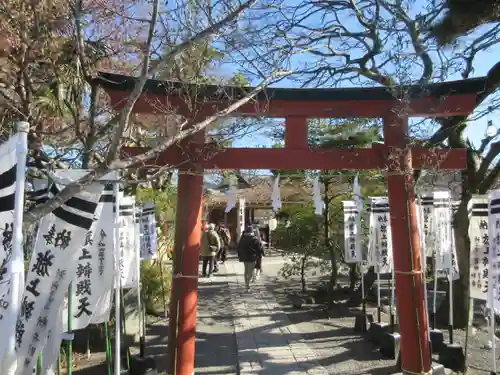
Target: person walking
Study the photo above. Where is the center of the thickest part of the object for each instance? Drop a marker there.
(258, 261)
(249, 249)
(210, 246)
(225, 238)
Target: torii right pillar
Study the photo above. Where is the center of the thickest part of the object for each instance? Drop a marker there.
(410, 278)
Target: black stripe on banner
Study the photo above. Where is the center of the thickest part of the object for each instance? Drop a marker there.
(441, 201)
(37, 193)
(77, 203)
(479, 214)
(71, 218)
(380, 211)
(350, 212)
(495, 202)
(7, 202)
(81, 205)
(149, 211)
(8, 178)
(126, 214)
(483, 206)
(54, 189)
(380, 205)
(495, 210)
(41, 200)
(107, 198)
(126, 207)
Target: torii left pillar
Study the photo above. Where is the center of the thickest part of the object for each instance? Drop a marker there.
(184, 295)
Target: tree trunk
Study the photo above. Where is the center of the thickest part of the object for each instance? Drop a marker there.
(303, 273)
(369, 279)
(331, 250)
(461, 286)
(353, 275)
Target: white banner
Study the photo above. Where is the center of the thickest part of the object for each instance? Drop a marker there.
(276, 195)
(370, 256)
(427, 223)
(380, 232)
(148, 232)
(53, 264)
(240, 219)
(319, 204)
(128, 250)
(493, 299)
(352, 225)
(8, 181)
(446, 256)
(8, 165)
(52, 349)
(479, 249)
(95, 269)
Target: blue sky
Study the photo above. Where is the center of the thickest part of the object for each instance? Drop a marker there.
(482, 63)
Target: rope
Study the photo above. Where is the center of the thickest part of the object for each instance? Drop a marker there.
(190, 173)
(342, 174)
(411, 273)
(414, 373)
(182, 276)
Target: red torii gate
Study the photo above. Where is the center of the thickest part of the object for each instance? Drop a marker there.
(447, 99)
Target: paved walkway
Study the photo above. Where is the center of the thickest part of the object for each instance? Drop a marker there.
(268, 343)
(247, 330)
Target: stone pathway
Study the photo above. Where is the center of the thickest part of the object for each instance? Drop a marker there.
(216, 350)
(268, 343)
(243, 333)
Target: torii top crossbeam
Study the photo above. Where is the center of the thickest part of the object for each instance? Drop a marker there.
(453, 98)
(456, 98)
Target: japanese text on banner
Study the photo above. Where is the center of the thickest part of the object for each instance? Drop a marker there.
(479, 256)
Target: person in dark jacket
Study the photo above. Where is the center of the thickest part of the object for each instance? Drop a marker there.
(249, 248)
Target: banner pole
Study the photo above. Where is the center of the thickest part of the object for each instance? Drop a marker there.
(124, 328)
(377, 249)
(379, 310)
(69, 343)
(450, 292)
(434, 296)
(363, 299)
(420, 216)
(116, 236)
(393, 321)
(468, 330)
(108, 349)
(450, 271)
(39, 364)
(491, 297)
(17, 257)
(424, 270)
(89, 334)
(493, 339)
(137, 245)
